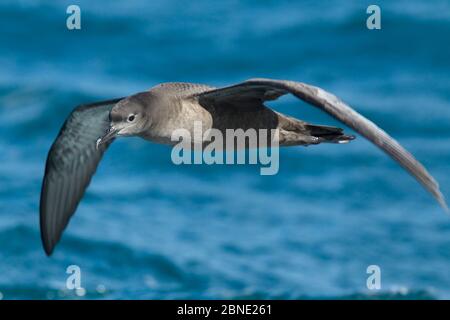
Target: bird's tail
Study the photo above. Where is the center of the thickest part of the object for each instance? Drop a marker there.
(328, 134)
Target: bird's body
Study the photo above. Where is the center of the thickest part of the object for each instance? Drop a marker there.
(177, 108)
(155, 114)
(180, 106)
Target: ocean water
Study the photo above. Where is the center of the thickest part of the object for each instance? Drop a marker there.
(148, 229)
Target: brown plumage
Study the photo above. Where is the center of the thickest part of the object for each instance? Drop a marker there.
(155, 114)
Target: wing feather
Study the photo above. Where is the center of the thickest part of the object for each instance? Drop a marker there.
(71, 163)
(267, 89)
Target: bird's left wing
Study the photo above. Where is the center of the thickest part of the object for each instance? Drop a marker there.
(71, 162)
(254, 92)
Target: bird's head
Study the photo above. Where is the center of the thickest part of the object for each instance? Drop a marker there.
(128, 117)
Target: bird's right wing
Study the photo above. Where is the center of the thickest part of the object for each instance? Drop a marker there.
(71, 162)
(255, 91)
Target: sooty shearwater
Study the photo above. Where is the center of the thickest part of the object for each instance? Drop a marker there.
(156, 113)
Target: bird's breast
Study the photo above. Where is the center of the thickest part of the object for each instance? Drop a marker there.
(181, 118)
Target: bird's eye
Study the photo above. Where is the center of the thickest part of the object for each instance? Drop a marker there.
(131, 118)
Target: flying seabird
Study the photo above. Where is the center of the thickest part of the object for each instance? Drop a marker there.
(156, 113)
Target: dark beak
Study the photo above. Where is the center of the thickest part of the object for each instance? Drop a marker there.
(109, 135)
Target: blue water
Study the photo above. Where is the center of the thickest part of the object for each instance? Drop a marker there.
(149, 229)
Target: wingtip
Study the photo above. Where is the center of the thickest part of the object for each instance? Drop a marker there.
(441, 199)
(48, 253)
(444, 205)
(46, 241)
(48, 248)
(47, 244)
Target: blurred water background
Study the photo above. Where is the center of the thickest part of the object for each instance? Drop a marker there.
(148, 229)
